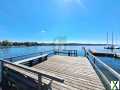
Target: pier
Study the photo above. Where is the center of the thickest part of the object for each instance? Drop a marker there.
(56, 72)
(77, 72)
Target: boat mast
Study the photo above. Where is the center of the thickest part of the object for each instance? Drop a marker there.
(116, 39)
(112, 40)
(107, 38)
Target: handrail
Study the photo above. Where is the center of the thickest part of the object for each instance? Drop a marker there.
(39, 72)
(106, 66)
(69, 52)
(43, 73)
(112, 71)
(101, 74)
(30, 59)
(26, 55)
(10, 58)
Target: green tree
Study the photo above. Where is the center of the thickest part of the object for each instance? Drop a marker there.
(6, 43)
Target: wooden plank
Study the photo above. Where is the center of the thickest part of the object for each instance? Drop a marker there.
(75, 81)
(76, 71)
(65, 70)
(66, 74)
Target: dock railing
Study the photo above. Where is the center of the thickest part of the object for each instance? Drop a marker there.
(66, 52)
(49, 52)
(29, 72)
(12, 63)
(94, 61)
(21, 57)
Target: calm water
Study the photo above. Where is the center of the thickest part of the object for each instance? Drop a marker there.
(18, 51)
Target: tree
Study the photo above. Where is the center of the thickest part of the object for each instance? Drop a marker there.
(6, 43)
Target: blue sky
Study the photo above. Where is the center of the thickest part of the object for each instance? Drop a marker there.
(85, 21)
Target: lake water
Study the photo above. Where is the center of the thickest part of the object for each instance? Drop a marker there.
(19, 51)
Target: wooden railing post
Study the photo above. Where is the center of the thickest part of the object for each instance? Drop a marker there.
(1, 72)
(76, 52)
(3, 80)
(54, 52)
(39, 82)
(68, 53)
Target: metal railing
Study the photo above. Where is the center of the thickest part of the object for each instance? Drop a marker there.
(49, 52)
(14, 58)
(66, 52)
(94, 60)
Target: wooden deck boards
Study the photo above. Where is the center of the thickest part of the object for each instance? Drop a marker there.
(76, 71)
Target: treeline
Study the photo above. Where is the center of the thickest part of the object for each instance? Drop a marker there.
(8, 43)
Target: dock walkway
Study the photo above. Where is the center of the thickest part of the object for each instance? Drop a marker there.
(77, 72)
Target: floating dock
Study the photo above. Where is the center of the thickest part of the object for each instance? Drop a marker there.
(105, 53)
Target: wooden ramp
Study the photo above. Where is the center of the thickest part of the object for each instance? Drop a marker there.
(76, 71)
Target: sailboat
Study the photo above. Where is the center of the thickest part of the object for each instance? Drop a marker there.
(111, 46)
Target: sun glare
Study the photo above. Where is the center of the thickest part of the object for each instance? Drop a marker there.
(79, 2)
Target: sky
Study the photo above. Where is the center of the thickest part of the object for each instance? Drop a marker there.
(83, 21)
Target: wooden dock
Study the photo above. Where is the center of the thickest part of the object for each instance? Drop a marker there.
(77, 72)
(105, 53)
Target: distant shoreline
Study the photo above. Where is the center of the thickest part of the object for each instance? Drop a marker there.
(52, 44)
(7, 43)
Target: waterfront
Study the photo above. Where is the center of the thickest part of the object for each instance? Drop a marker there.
(114, 63)
(19, 51)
